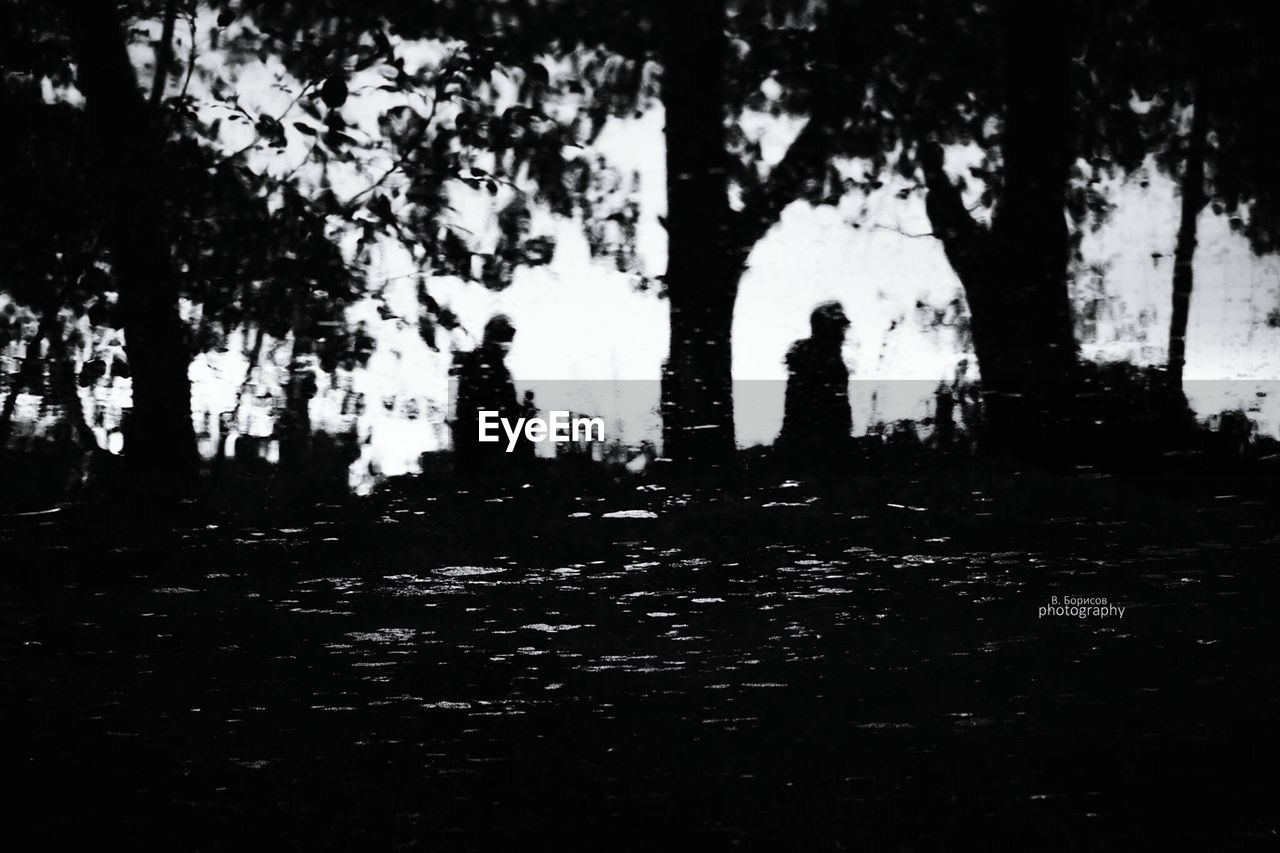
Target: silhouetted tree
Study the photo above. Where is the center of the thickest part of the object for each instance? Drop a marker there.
(1205, 85)
(1058, 98)
(702, 270)
(610, 62)
(1046, 93)
(75, 244)
(1015, 272)
(128, 156)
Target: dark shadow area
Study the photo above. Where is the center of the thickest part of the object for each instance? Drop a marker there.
(744, 663)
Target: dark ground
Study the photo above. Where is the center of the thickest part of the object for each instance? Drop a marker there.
(772, 667)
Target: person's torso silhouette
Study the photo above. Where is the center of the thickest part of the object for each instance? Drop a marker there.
(816, 418)
(483, 384)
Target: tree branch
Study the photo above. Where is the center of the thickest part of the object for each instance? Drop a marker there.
(412, 147)
(257, 134)
(962, 237)
(766, 200)
(164, 53)
(898, 230)
(191, 59)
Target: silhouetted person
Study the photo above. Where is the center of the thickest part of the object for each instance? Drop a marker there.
(967, 399)
(944, 408)
(816, 421)
(484, 383)
(528, 409)
(294, 424)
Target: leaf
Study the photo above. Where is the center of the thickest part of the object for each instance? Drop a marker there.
(447, 319)
(380, 206)
(334, 92)
(538, 74)
(271, 131)
(336, 139)
(305, 129)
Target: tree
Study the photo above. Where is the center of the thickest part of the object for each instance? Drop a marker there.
(706, 88)
(612, 63)
(1046, 96)
(1211, 61)
(1057, 98)
(160, 445)
(1015, 273)
(282, 274)
(51, 244)
(1194, 199)
(702, 267)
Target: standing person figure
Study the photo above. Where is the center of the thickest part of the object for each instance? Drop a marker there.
(817, 422)
(483, 384)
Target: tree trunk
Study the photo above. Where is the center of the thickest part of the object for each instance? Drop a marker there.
(160, 448)
(1015, 274)
(1036, 347)
(1193, 201)
(255, 358)
(702, 274)
(64, 388)
(164, 54)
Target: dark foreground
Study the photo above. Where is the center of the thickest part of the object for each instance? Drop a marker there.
(766, 670)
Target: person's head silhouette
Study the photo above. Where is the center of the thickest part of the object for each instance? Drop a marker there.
(499, 332)
(828, 322)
